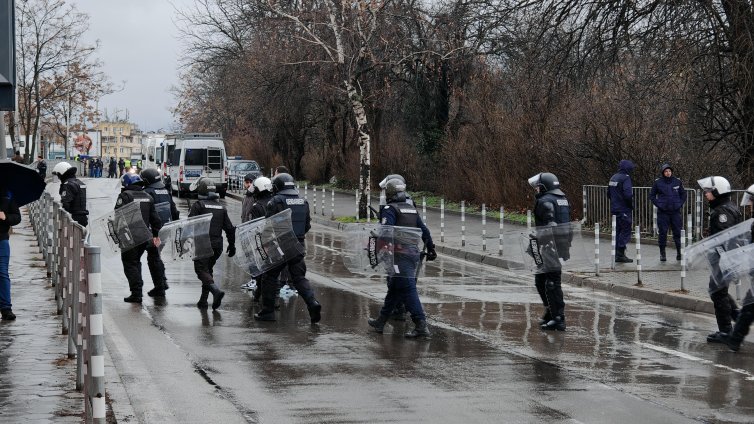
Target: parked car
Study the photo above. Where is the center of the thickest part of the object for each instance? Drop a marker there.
(239, 168)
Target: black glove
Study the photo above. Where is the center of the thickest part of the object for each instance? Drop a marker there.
(431, 254)
(231, 251)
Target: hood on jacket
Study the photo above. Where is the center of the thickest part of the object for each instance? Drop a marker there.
(626, 165)
(664, 167)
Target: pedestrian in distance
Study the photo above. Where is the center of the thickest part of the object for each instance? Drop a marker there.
(17, 157)
(167, 211)
(72, 192)
(746, 315)
(9, 216)
(248, 198)
(402, 285)
(551, 209)
(112, 168)
(281, 170)
(41, 167)
(133, 191)
(208, 203)
(621, 194)
(668, 196)
(724, 214)
(121, 166)
(286, 196)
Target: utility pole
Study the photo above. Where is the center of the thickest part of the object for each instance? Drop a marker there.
(7, 66)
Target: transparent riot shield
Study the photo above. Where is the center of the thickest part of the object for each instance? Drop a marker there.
(186, 239)
(360, 249)
(163, 211)
(123, 228)
(266, 243)
(398, 250)
(737, 265)
(555, 248)
(707, 253)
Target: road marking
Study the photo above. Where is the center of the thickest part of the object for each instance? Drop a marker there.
(686, 356)
(326, 248)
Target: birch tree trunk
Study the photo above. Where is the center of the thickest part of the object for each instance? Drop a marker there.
(365, 161)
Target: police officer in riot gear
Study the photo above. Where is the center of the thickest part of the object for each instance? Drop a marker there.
(620, 192)
(72, 192)
(133, 191)
(208, 203)
(399, 213)
(550, 209)
(167, 211)
(285, 196)
(668, 196)
(260, 191)
(746, 315)
(383, 184)
(724, 214)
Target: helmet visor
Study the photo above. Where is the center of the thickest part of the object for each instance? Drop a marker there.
(383, 183)
(747, 199)
(534, 181)
(706, 183)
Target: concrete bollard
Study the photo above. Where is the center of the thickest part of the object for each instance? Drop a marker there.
(655, 229)
(583, 203)
(463, 223)
(314, 203)
(96, 341)
(424, 210)
(638, 257)
(528, 220)
(332, 204)
(597, 249)
(306, 192)
(500, 237)
(323, 200)
(683, 260)
(357, 205)
(612, 244)
(442, 220)
(689, 233)
(698, 215)
(484, 228)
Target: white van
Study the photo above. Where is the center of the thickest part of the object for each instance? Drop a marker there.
(190, 156)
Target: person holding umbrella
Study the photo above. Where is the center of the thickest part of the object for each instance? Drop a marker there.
(9, 216)
(72, 192)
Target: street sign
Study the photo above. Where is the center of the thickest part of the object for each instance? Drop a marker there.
(7, 55)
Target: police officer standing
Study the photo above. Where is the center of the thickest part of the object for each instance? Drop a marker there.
(72, 192)
(208, 203)
(668, 195)
(402, 288)
(551, 209)
(724, 214)
(746, 315)
(621, 194)
(167, 211)
(287, 197)
(133, 191)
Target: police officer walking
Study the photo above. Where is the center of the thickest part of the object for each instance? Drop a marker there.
(398, 212)
(72, 192)
(746, 315)
(668, 195)
(220, 222)
(258, 195)
(133, 191)
(620, 192)
(724, 214)
(167, 211)
(550, 209)
(287, 197)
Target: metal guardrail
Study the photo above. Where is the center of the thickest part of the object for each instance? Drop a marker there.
(74, 266)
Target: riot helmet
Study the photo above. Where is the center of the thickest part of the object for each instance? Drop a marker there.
(261, 185)
(129, 179)
(395, 190)
(748, 197)
(546, 182)
(151, 176)
(383, 183)
(715, 185)
(203, 187)
(63, 170)
(284, 184)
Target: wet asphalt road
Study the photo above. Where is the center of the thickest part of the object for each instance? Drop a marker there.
(620, 360)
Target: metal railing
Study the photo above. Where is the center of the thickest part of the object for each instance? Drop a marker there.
(74, 266)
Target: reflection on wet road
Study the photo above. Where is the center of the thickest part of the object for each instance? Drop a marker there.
(487, 361)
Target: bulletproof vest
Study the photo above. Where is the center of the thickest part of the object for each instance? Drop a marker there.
(78, 205)
(724, 216)
(144, 200)
(162, 199)
(560, 205)
(405, 214)
(218, 217)
(298, 209)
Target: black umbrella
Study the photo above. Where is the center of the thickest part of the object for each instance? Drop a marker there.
(23, 182)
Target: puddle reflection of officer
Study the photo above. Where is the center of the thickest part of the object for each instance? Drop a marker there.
(133, 191)
(72, 192)
(550, 209)
(167, 211)
(724, 214)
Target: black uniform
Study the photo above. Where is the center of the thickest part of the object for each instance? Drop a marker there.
(549, 209)
(42, 169)
(220, 222)
(167, 211)
(132, 257)
(301, 220)
(745, 316)
(724, 214)
(73, 198)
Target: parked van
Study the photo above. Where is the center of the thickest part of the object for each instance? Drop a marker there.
(187, 157)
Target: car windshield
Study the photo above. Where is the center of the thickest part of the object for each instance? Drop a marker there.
(246, 166)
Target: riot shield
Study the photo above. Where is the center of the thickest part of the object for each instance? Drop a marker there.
(707, 253)
(737, 265)
(373, 249)
(554, 248)
(163, 211)
(266, 243)
(186, 239)
(124, 228)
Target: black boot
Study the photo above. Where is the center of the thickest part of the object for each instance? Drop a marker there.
(315, 310)
(678, 251)
(421, 330)
(158, 290)
(202, 303)
(268, 309)
(399, 313)
(217, 295)
(557, 323)
(740, 330)
(135, 297)
(620, 256)
(546, 317)
(662, 254)
(377, 323)
(717, 337)
(7, 314)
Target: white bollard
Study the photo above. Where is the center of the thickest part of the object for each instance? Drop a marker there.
(332, 204)
(442, 220)
(306, 192)
(463, 223)
(357, 205)
(638, 256)
(424, 210)
(528, 220)
(323, 200)
(500, 240)
(484, 228)
(597, 248)
(689, 233)
(698, 215)
(683, 261)
(655, 229)
(612, 244)
(314, 190)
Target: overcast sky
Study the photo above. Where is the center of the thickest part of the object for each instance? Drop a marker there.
(138, 45)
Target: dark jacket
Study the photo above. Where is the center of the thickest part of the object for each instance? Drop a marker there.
(725, 214)
(73, 197)
(404, 214)
(220, 220)
(146, 204)
(259, 207)
(620, 190)
(300, 217)
(248, 202)
(12, 214)
(667, 193)
(161, 195)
